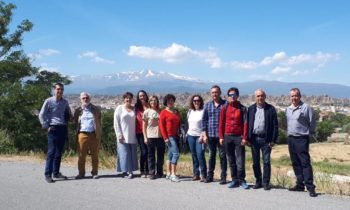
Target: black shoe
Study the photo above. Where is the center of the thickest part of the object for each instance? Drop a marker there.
(209, 179)
(79, 176)
(297, 189)
(49, 179)
(312, 193)
(152, 177)
(60, 176)
(267, 187)
(223, 181)
(257, 186)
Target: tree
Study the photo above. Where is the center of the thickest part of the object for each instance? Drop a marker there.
(22, 86)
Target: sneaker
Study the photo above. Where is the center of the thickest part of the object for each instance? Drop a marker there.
(123, 175)
(130, 176)
(60, 176)
(95, 176)
(232, 184)
(208, 179)
(49, 179)
(223, 181)
(257, 186)
(297, 189)
(167, 176)
(174, 178)
(244, 185)
(195, 178)
(152, 177)
(80, 176)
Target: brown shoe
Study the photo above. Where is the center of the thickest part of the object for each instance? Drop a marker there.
(203, 179)
(195, 178)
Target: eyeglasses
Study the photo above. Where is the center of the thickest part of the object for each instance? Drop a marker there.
(59, 89)
(232, 95)
(195, 101)
(85, 98)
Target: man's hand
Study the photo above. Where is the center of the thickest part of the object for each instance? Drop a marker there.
(205, 138)
(221, 141)
(121, 139)
(244, 142)
(271, 144)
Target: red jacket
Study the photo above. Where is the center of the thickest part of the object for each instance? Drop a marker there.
(233, 120)
(169, 123)
(138, 119)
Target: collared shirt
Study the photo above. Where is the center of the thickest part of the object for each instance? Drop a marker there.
(87, 120)
(259, 122)
(54, 112)
(300, 120)
(210, 121)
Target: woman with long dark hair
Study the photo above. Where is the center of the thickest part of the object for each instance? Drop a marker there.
(140, 106)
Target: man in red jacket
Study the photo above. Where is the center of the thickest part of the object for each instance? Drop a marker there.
(233, 130)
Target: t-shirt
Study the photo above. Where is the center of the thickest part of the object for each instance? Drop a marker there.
(151, 116)
(195, 122)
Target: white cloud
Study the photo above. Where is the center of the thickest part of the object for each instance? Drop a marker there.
(45, 66)
(94, 57)
(280, 62)
(43, 53)
(279, 70)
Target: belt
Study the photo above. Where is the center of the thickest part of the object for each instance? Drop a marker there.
(261, 135)
(299, 137)
(87, 133)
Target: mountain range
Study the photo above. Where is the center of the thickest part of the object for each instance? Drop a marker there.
(163, 82)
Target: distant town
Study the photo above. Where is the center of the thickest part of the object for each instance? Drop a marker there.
(325, 104)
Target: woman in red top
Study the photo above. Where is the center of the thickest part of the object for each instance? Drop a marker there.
(140, 106)
(169, 123)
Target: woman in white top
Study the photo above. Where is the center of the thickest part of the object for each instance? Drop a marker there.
(195, 138)
(124, 126)
(153, 138)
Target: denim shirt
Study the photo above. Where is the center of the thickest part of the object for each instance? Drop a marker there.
(300, 120)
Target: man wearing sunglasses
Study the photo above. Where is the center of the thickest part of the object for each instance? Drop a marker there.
(262, 134)
(53, 116)
(233, 130)
(87, 119)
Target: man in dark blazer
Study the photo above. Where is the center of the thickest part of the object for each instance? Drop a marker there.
(262, 134)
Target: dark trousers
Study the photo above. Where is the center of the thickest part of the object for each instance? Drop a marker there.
(213, 142)
(236, 157)
(143, 154)
(300, 157)
(55, 144)
(198, 156)
(153, 144)
(260, 144)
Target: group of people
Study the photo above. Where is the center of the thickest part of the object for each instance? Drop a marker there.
(223, 125)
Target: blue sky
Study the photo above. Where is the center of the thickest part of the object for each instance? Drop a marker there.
(222, 40)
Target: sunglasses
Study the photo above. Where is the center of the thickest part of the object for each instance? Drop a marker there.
(232, 95)
(196, 100)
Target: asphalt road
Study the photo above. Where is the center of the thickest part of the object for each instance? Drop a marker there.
(22, 186)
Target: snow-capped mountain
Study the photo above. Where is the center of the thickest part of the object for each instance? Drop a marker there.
(151, 79)
(163, 82)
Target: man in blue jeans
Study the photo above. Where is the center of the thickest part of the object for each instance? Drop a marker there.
(262, 134)
(210, 128)
(53, 117)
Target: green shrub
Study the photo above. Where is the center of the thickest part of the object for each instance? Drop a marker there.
(7, 145)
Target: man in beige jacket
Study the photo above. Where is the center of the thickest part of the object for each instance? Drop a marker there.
(87, 119)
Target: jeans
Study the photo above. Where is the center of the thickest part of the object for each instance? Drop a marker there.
(257, 145)
(236, 157)
(154, 143)
(300, 157)
(213, 142)
(143, 154)
(198, 158)
(173, 150)
(55, 144)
